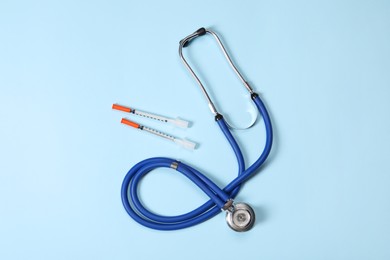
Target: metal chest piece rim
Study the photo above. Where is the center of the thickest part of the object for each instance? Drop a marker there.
(240, 217)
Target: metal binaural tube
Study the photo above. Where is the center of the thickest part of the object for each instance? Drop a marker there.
(185, 41)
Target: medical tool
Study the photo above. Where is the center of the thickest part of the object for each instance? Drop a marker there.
(239, 216)
(174, 121)
(182, 142)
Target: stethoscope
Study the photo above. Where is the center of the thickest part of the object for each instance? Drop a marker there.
(239, 216)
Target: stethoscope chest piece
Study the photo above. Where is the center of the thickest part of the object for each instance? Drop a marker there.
(240, 217)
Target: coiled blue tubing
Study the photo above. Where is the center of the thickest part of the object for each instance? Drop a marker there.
(218, 196)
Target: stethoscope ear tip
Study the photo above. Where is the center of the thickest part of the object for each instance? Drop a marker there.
(184, 43)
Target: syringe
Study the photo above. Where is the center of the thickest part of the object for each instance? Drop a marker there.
(182, 142)
(175, 121)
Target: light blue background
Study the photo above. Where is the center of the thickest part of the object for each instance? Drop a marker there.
(322, 67)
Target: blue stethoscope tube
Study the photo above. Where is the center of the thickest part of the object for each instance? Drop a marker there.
(218, 197)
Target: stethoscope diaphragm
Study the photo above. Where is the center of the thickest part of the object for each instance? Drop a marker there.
(240, 217)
